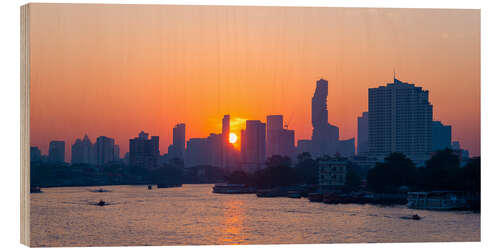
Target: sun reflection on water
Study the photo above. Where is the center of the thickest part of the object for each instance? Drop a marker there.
(232, 227)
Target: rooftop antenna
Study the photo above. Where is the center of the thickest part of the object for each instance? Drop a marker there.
(394, 74)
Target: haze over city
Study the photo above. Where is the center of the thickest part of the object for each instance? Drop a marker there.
(95, 72)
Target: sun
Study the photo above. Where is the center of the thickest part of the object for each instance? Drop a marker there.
(233, 138)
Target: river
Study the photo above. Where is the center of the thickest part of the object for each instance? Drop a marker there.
(193, 215)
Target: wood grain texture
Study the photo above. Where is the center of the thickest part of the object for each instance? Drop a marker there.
(25, 125)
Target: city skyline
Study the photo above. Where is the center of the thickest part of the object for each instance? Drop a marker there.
(399, 109)
(158, 81)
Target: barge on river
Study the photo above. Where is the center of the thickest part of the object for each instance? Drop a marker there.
(436, 200)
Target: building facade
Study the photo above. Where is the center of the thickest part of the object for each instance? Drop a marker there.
(104, 147)
(82, 151)
(56, 151)
(441, 136)
(399, 120)
(332, 174)
(362, 144)
(325, 136)
(178, 147)
(144, 152)
(279, 141)
(253, 144)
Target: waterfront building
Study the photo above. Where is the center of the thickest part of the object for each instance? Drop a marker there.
(332, 174)
(399, 120)
(144, 151)
(362, 144)
(441, 136)
(363, 161)
(56, 151)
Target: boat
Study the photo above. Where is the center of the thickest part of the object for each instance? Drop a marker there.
(294, 194)
(315, 197)
(164, 185)
(232, 189)
(436, 200)
(35, 189)
(274, 192)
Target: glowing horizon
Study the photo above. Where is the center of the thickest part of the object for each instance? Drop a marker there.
(115, 70)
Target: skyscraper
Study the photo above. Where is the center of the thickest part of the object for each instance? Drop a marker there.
(362, 134)
(116, 152)
(399, 120)
(81, 151)
(197, 152)
(104, 147)
(178, 142)
(226, 147)
(325, 136)
(253, 144)
(441, 136)
(279, 141)
(56, 151)
(144, 152)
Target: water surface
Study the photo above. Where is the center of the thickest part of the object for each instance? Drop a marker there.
(193, 215)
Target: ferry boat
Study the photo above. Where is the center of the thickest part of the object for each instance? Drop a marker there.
(232, 189)
(315, 197)
(168, 185)
(436, 200)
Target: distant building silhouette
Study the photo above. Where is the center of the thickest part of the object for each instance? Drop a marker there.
(400, 120)
(215, 144)
(214, 150)
(178, 147)
(116, 152)
(104, 147)
(304, 146)
(325, 136)
(56, 151)
(441, 136)
(362, 134)
(204, 151)
(345, 147)
(463, 154)
(279, 141)
(226, 146)
(82, 151)
(253, 145)
(144, 152)
(197, 152)
(35, 154)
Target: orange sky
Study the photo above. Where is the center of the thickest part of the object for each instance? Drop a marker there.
(115, 70)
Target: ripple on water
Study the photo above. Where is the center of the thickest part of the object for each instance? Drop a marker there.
(192, 215)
